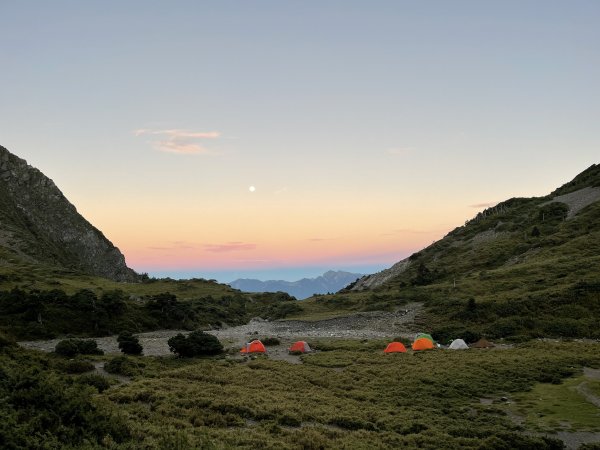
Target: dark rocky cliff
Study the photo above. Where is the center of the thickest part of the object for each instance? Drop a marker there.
(38, 224)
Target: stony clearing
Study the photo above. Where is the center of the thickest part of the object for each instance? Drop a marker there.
(363, 325)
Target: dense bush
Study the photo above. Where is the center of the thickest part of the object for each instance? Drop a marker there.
(448, 333)
(98, 381)
(73, 347)
(6, 341)
(38, 314)
(122, 365)
(77, 366)
(197, 343)
(268, 341)
(42, 409)
(129, 344)
(565, 327)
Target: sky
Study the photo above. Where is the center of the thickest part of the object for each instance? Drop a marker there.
(279, 139)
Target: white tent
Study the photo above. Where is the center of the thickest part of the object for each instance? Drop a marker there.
(458, 344)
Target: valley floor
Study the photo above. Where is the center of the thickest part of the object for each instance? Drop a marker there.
(363, 325)
(535, 395)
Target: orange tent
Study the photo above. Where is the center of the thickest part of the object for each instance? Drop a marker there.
(300, 346)
(254, 347)
(395, 347)
(422, 344)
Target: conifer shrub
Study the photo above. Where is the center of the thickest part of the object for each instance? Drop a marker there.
(77, 366)
(122, 365)
(129, 344)
(73, 347)
(197, 343)
(98, 381)
(270, 341)
(66, 347)
(6, 341)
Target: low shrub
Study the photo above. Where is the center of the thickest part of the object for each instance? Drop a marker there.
(67, 347)
(77, 366)
(122, 365)
(129, 344)
(270, 341)
(285, 309)
(73, 347)
(98, 381)
(197, 343)
(6, 341)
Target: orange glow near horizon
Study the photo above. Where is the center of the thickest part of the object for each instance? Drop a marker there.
(255, 232)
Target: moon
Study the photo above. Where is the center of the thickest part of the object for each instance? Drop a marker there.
(251, 188)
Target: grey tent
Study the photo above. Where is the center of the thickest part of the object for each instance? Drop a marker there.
(458, 344)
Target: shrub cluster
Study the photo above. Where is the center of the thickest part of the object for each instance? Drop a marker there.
(197, 343)
(270, 341)
(73, 347)
(77, 366)
(41, 408)
(129, 344)
(122, 365)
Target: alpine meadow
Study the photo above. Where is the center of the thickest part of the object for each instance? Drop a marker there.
(314, 225)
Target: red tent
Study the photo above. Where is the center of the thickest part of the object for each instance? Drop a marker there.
(254, 347)
(300, 346)
(395, 347)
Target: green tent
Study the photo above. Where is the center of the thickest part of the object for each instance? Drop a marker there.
(424, 336)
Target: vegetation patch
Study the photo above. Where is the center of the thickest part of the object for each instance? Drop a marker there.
(197, 343)
(559, 406)
(73, 347)
(347, 395)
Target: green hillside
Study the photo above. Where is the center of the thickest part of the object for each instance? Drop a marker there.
(526, 267)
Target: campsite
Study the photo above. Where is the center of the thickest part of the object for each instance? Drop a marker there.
(348, 392)
(300, 225)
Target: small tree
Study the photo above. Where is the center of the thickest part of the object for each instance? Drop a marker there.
(424, 275)
(67, 347)
(73, 347)
(197, 343)
(129, 344)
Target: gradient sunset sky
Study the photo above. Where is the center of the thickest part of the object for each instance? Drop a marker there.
(279, 139)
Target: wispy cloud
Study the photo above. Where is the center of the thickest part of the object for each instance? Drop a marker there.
(483, 205)
(317, 239)
(229, 247)
(183, 142)
(178, 245)
(252, 260)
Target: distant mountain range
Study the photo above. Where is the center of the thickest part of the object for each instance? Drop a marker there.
(331, 281)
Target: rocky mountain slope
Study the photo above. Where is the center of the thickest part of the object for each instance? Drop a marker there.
(525, 268)
(331, 281)
(505, 236)
(39, 225)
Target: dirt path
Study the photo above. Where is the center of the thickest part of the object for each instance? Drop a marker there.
(364, 325)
